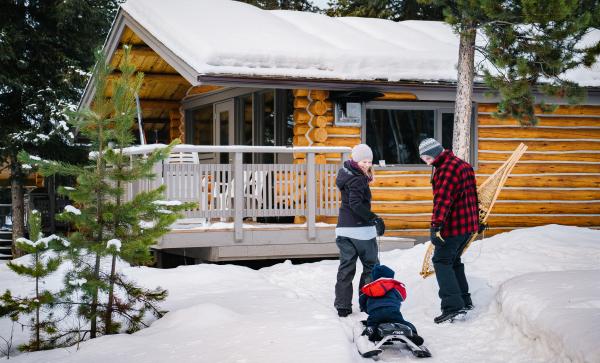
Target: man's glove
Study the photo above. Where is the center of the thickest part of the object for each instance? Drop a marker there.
(482, 227)
(379, 226)
(436, 236)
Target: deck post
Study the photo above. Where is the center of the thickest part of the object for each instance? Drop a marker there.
(311, 195)
(238, 198)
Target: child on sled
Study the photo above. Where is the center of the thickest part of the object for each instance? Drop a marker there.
(381, 300)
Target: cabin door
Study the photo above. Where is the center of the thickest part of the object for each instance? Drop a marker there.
(224, 128)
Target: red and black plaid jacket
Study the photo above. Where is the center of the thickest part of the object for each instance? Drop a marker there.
(455, 206)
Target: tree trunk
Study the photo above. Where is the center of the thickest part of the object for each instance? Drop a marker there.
(461, 137)
(109, 307)
(17, 206)
(94, 307)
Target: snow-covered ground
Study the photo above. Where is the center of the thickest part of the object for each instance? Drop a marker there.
(536, 291)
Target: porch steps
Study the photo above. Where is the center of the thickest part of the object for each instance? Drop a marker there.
(5, 245)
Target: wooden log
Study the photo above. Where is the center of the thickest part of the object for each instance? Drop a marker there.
(399, 194)
(401, 181)
(154, 78)
(301, 102)
(300, 140)
(302, 129)
(319, 108)
(510, 145)
(402, 208)
(137, 50)
(501, 207)
(540, 168)
(301, 116)
(397, 96)
(422, 222)
(318, 121)
(489, 120)
(551, 181)
(539, 181)
(401, 172)
(338, 130)
(532, 221)
(561, 110)
(528, 156)
(539, 133)
(393, 195)
(507, 207)
(197, 90)
(342, 141)
(320, 95)
(408, 233)
(318, 134)
(129, 37)
(300, 92)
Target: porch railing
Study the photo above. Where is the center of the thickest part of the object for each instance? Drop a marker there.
(238, 190)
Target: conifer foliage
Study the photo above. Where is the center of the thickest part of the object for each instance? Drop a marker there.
(110, 226)
(43, 260)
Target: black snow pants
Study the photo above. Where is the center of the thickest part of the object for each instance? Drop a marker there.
(350, 250)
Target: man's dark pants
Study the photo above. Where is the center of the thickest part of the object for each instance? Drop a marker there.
(350, 250)
(450, 273)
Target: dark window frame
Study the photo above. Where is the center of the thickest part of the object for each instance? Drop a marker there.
(439, 108)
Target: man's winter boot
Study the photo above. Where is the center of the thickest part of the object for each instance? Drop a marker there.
(447, 316)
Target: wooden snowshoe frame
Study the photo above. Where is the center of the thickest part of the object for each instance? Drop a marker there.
(487, 194)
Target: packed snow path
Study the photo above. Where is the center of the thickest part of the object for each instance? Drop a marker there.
(536, 291)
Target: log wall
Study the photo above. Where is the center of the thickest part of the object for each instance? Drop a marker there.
(556, 181)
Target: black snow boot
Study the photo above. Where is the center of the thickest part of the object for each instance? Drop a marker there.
(447, 316)
(342, 312)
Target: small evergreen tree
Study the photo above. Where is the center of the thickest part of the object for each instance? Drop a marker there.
(106, 224)
(42, 263)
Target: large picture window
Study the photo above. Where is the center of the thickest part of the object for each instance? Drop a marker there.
(394, 130)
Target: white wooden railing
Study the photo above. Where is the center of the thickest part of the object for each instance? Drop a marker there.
(239, 190)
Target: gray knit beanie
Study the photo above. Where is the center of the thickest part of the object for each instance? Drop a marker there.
(430, 147)
(362, 152)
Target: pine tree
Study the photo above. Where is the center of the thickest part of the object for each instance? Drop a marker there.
(530, 45)
(46, 50)
(42, 263)
(396, 10)
(298, 5)
(106, 224)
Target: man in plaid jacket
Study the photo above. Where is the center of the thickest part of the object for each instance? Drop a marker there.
(454, 219)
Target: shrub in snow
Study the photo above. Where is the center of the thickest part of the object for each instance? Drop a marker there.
(41, 265)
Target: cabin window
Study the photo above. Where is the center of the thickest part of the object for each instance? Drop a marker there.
(202, 126)
(394, 130)
(273, 124)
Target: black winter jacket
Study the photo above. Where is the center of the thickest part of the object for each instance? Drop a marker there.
(355, 210)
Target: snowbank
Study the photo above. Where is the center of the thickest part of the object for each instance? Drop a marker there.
(284, 313)
(559, 309)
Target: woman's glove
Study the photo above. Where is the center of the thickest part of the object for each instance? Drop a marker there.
(379, 226)
(436, 236)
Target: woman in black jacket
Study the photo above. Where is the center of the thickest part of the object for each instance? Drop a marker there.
(357, 228)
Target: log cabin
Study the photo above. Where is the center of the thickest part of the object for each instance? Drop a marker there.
(268, 103)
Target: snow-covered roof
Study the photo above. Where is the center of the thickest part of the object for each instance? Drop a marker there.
(223, 37)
